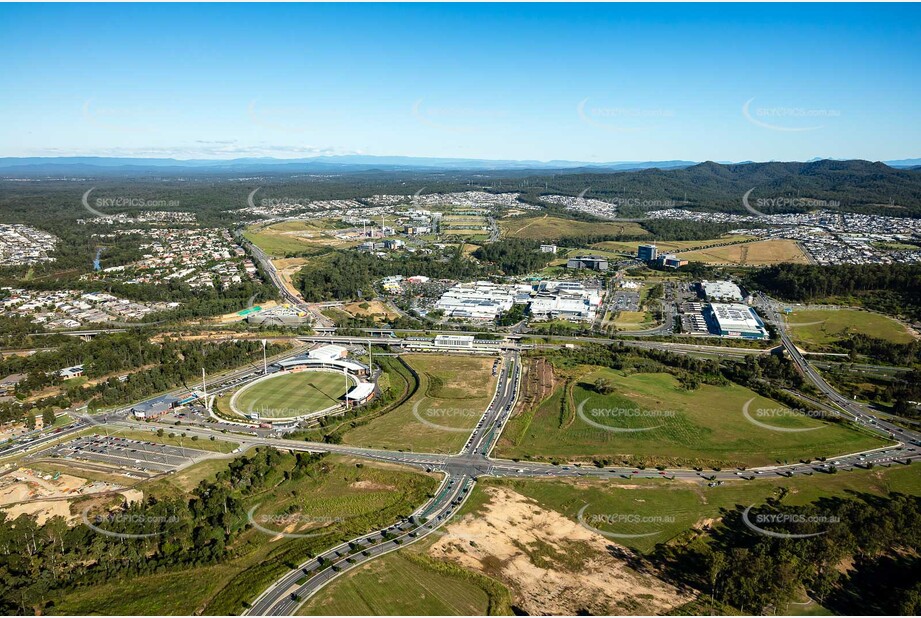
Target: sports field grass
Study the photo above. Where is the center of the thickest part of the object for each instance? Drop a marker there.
(550, 228)
(633, 320)
(668, 246)
(825, 326)
(705, 427)
(759, 253)
(292, 394)
(352, 500)
(453, 393)
(669, 508)
(395, 585)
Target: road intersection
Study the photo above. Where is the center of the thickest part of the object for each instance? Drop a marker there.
(461, 470)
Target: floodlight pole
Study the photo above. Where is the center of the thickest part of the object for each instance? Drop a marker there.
(204, 387)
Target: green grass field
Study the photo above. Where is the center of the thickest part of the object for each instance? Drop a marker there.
(453, 393)
(352, 500)
(825, 326)
(292, 394)
(669, 508)
(704, 427)
(287, 237)
(550, 228)
(668, 246)
(395, 585)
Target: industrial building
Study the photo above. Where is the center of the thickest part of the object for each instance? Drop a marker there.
(454, 341)
(154, 408)
(725, 291)
(328, 352)
(670, 260)
(736, 320)
(565, 300)
(480, 300)
(485, 301)
(588, 262)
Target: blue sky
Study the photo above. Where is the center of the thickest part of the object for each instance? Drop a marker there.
(501, 81)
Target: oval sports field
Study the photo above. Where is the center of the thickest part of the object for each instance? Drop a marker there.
(292, 394)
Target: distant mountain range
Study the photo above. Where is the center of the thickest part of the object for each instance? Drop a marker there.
(344, 163)
(854, 184)
(43, 166)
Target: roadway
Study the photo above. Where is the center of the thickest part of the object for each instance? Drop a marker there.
(287, 295)
(461, 470)
(850, 409)
(287, 593)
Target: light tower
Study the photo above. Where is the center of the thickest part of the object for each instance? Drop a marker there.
(204, 388)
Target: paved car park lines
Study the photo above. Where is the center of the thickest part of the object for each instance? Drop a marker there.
(127, 453)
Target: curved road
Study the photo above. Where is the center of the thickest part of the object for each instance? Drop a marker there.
(462, 469)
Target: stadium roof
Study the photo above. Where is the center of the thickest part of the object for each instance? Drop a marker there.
(362, 391)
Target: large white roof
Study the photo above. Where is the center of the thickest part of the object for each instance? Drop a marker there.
(361, 391)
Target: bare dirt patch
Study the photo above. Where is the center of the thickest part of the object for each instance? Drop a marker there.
(539, 382)
(371, 485)
(373, 308)
(552, 564)
(27, 491)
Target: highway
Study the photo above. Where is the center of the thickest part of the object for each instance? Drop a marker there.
(852, 410)
(285, 595)
(462, 469)
(293, 299)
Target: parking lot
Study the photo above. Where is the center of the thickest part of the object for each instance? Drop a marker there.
(625, 301)
(126, 453)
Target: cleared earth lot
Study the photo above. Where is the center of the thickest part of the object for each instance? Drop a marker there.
(525, 539)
